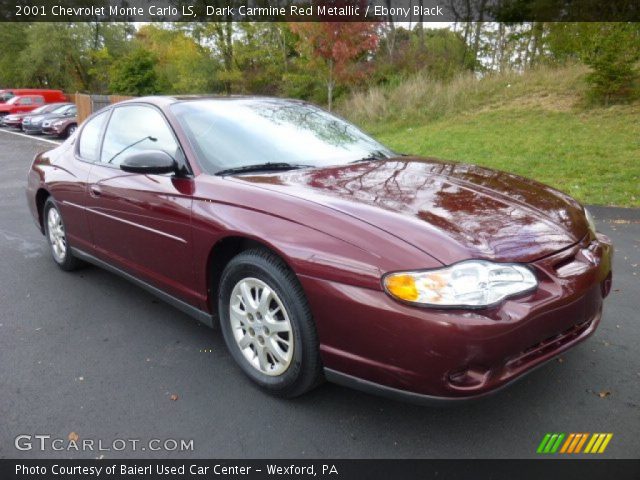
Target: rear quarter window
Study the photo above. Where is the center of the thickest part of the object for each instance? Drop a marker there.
(90, 136)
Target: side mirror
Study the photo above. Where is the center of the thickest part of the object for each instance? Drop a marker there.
(149, 162)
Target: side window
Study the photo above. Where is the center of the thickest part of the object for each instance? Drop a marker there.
(25, 101)
(90, 137)
(39, 100)
(134, 128)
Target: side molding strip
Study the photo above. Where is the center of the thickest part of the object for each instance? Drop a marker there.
(200, 315)
(122, 220)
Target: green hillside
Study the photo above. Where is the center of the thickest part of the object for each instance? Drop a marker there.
(536, 125)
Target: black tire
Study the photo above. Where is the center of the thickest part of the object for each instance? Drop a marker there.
(305, 370)
(66, 262)
(70, 130)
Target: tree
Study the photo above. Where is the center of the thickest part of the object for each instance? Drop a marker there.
(612, 50)
(135, 74)
(46, 59)
(219, 36)
(338, 46)
(183, 66)
(105, 43)
(440, 54)
(69, 56)
(13, 41)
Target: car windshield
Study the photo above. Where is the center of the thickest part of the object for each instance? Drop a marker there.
(42, 109)
(61, 109)
(236, 133)
(13, 100)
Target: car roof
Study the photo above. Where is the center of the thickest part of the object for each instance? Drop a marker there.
(162, 101)
(59, 104)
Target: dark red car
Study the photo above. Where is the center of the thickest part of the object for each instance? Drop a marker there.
(322, 253)
(60, 127)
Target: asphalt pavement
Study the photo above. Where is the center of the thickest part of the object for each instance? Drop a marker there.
(87, 355)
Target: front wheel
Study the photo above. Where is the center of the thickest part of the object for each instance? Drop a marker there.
(70, 130)
(267, 324)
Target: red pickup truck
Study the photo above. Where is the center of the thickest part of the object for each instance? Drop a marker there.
(21, 104)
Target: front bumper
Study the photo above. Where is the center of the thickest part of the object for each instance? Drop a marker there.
(426, 355)
(51, 130)
(31, 128)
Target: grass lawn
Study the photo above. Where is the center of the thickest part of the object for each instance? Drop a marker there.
(594, 155)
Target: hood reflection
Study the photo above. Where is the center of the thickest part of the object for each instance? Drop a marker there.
(493, 214)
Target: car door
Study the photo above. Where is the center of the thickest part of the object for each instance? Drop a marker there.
(72, 195)
(142, 223)
(24, 104)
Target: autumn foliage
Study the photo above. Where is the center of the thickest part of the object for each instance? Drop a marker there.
(341, 49)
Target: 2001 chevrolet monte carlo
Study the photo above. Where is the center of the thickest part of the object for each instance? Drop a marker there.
(320, 252)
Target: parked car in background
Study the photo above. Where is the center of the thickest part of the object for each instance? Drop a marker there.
(50, 96)
(33, 123)
(317, 250)
(21, 104)
(15, 120)
(61, 127)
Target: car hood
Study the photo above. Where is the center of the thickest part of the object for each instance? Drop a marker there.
(451, 211)
(43, 117)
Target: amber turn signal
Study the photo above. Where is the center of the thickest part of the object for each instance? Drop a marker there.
(402, 286)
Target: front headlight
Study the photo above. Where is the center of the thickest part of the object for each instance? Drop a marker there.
(472, 283)
(590, 222)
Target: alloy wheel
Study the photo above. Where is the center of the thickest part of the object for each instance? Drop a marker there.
(57, 237)
(261, 326)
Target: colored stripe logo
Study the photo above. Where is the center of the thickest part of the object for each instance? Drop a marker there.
(574, 442)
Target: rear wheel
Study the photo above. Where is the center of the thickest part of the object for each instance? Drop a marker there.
(56, 234)
(267, 324)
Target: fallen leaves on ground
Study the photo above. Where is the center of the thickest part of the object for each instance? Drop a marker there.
(173, 397)
(73, 437)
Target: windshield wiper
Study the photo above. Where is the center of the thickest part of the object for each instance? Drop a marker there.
(377, 155)
(258, 167)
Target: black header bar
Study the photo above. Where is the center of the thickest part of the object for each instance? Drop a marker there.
(109, 469)
(319, 10)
